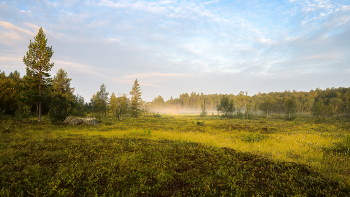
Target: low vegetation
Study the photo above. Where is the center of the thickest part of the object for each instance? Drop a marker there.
(176, 156)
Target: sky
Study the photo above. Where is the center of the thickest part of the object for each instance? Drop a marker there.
(173, 46)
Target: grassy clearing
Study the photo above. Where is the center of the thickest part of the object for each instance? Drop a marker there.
(176, 156)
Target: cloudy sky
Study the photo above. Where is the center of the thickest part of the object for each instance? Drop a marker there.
(175, 46)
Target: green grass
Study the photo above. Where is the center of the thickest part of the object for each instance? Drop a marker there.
(175, 156)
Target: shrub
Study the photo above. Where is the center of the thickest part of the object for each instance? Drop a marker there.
(200, 123)
(343, 146)
(157, 115)
(255, 137)
(57, 116)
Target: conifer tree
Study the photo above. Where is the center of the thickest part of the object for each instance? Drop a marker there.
(100, 100)
(37, 81)
(62, 98)
(135, 99)
(103, 95)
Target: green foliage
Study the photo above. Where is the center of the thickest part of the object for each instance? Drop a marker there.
(252, 137)
(37, 79)
(148, 131)
(269, 105)
(79, 107)
(200, 123)
(62, 98)
(318, 108)
(239, 114)
(343, 146)
(152, 156)
(204, 110)
(9, 92)
(113, 104)
(122, 106)
(156, 115)
(337, 104)
(98, 166)
(226, 106)
(290, 105)
(58, 110)
(135, 99)
(158, 102)
(100, 101)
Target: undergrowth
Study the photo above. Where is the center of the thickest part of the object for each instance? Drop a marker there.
(90, 166)
(175, 156)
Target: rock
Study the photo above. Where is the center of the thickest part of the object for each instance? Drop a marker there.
(7, 130)
(72, 120)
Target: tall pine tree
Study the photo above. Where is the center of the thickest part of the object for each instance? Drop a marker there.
(135, 99)
(37, 79)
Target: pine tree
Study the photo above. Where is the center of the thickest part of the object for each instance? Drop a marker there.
(103, 95)
(62, 98)
(37, 81)
(135, 99)
(100, 101)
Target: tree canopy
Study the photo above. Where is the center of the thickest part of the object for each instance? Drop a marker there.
(38, 65)
(135, 99)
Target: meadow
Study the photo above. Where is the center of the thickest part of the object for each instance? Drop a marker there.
(176, 155)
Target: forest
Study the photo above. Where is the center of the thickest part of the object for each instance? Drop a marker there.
(270, 144)
(59, 101)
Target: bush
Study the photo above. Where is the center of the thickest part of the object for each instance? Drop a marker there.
(343, 146)
(58, 116)
(240, 115)
(157, 115)
(200, 123)
(255, 137)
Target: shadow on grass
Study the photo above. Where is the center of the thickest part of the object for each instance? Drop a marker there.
(89, 166)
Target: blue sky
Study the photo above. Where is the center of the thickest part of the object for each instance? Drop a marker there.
(174, 46)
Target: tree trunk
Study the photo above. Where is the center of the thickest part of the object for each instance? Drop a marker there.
(39, 117)
(40, 77)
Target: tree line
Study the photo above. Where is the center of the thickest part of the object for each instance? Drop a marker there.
(328, 102)
(37, 93)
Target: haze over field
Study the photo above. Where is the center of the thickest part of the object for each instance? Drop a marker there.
(173, 47)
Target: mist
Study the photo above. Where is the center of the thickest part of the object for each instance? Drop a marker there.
(171, 110)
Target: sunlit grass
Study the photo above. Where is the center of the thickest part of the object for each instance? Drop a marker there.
(300, 142)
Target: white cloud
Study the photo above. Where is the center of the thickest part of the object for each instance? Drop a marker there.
(147, 75)
(78, 68)
(13, 32)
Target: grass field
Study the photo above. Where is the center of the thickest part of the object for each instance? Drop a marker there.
(176, 156)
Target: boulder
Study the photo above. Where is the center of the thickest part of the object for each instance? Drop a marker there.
(72, 120)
